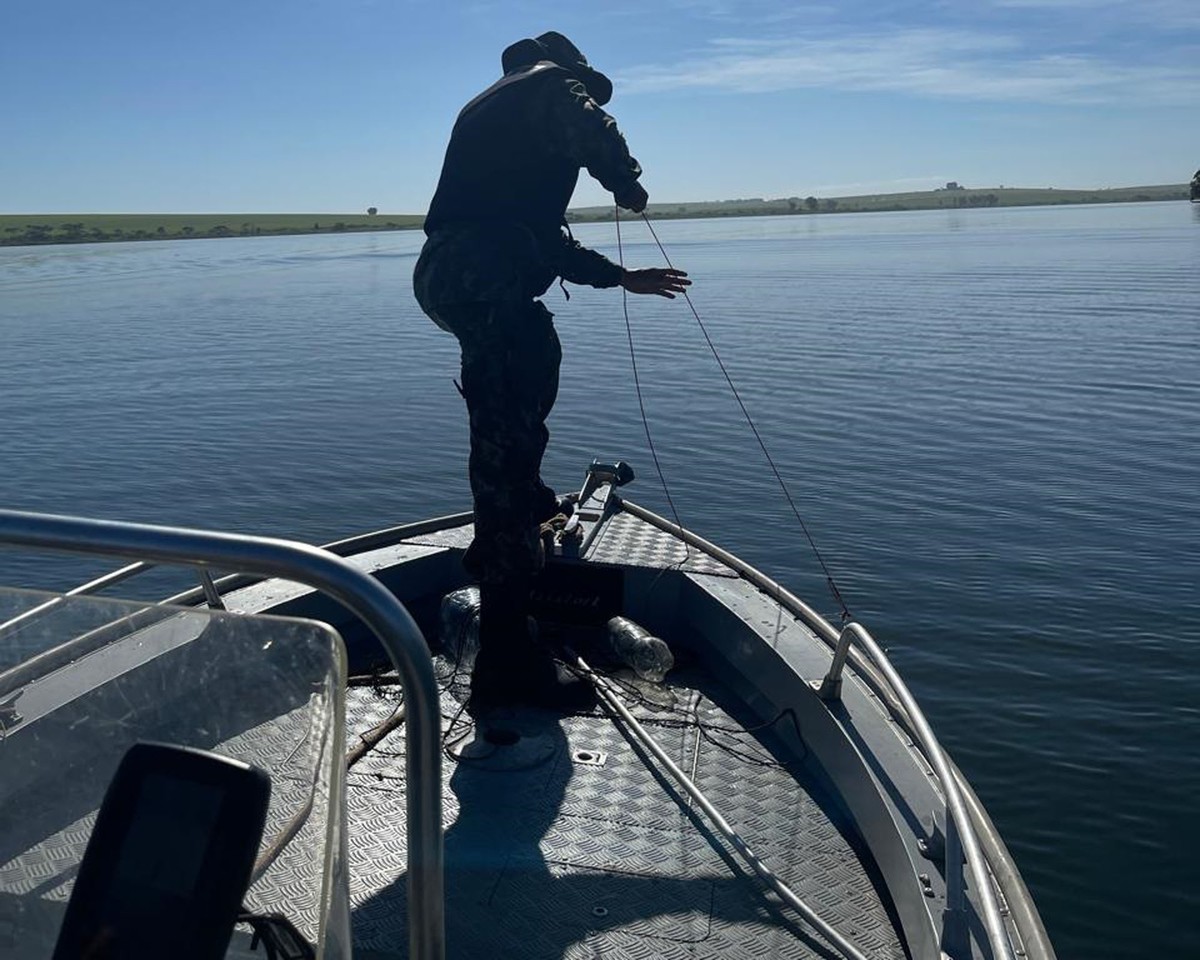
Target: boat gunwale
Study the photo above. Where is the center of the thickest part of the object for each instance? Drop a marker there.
(995, 854)
(997, 858)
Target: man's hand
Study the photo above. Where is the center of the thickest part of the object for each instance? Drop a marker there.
(634, 198)
(660, 281)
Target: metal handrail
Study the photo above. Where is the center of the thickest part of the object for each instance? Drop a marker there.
(831, 686)
(362, 595)
(209, 587)
(961, 837)
(19, 674)
(209, 591)
(92, 586)
(960, 832)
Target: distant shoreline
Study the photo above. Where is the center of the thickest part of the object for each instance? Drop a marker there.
(42, 229)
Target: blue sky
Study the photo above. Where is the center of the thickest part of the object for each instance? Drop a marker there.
(336, 105)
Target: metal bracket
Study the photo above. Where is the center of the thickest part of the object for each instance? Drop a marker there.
(933, 844)
(212, 595)
(8, 710)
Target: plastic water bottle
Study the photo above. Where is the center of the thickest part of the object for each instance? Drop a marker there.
(459, 633)
(648, 656)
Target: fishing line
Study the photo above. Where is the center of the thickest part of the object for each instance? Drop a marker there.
(833, 589)
(673, 717)
(638, 387)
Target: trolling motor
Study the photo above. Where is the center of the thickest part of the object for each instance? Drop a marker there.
(598, 474)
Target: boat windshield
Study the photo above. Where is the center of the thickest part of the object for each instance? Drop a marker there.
(82, 679)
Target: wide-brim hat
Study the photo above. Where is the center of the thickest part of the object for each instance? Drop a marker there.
(558, 49)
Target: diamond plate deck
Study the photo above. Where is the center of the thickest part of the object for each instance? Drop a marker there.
(631, 541)
(457, 537)
(624, 539)
(566, 859)
(49, 868)
(572, 860)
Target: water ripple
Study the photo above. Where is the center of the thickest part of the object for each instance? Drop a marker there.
(988, 419)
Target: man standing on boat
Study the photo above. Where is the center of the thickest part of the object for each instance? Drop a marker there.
(496, 242)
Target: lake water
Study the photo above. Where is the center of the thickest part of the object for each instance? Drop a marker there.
(990, 420)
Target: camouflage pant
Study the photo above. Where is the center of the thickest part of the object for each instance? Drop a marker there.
(510, 361)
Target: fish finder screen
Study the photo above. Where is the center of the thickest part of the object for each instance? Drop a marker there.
(168, 860)
(169, 835)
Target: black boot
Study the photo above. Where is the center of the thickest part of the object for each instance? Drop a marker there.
(472, 562)
(512, 669)
(537, 681)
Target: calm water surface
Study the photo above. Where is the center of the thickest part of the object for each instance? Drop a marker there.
(989, 419)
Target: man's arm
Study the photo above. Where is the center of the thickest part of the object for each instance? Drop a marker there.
(581, 265)
(589, 137)
(580, 130)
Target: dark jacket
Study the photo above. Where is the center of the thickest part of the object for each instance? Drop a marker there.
(495, 225)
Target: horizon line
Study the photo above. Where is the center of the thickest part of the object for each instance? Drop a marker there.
(593, 206)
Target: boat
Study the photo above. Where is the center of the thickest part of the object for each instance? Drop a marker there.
(776, 792)
(1195, 190)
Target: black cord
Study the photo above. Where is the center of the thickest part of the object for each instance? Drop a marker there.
(833, 588)
(680, 720)
(638, 387)
(278, 937)
(447, 680)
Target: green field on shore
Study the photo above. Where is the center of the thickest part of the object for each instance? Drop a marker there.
(94, 227)
(957, 198)
(21, 229)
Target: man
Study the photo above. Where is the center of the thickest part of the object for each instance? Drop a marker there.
(496, 243)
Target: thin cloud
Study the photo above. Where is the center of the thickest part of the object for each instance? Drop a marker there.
(947, 64)
(1160, 12)
(747, 11)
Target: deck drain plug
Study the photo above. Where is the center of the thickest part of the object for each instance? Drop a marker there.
(590, 758)
(600, 911)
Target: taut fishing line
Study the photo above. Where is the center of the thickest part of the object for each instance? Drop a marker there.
(829, 581)
(687, 553)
